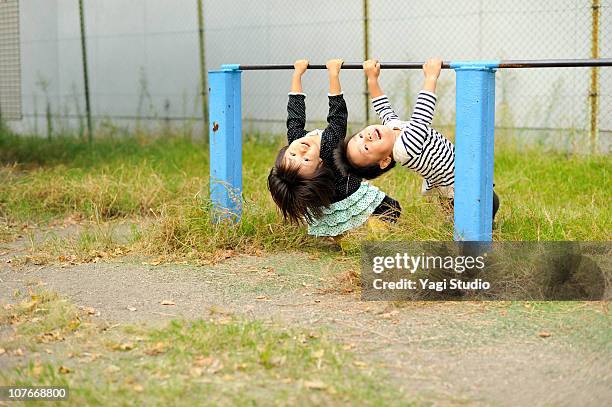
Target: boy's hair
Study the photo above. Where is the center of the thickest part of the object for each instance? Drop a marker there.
(344, 165)
(300, 198)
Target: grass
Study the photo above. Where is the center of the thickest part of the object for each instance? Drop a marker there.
(226, 361)
(545, 195)
(149, 196)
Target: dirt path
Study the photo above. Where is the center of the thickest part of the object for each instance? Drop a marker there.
(439, 353)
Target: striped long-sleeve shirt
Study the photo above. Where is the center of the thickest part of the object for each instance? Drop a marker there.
(420, 147)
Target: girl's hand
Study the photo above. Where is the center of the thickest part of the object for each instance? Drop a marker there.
(334, 66)
(432, 68)
(300, 66)
(371, 67)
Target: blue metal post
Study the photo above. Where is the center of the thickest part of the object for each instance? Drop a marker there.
(225, 142)
(474, 141)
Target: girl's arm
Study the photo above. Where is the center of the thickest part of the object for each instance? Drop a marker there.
(337, 116)
(333, 71)
(299, 67)
(296, 106)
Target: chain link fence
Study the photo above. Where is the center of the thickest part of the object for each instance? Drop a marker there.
(145, 66)
(10, 70)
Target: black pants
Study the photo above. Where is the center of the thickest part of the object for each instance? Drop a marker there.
(389, 210)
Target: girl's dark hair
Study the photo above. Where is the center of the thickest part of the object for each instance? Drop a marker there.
(299, 198)
(346, 168)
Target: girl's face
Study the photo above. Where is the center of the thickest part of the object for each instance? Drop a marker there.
(304, 153)
(372, 145)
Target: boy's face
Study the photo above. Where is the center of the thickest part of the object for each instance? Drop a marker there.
(372, 145)
(304, 153)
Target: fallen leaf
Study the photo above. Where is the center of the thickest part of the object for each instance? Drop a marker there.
(64, 370)
(389, 315)
(131, 309)
(261, 297)
(224, 321)
(124, 346)
(112, 369)
(90, 311)
(315, 385)
(349, 346)
(50, 337)
(211, 364)
(168, 302)
(156, 349)
(74, 324)
(30, 305)
(89, 357)
(37, 369)
(544, 334)
(196, 371)
(278, 360)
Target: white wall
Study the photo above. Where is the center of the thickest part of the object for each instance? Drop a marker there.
(155, 42)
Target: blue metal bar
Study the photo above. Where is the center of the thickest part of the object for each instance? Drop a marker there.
(474, 142)
(225, 143)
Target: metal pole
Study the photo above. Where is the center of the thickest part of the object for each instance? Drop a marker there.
(225, 144)
(594, 94)
(203, 84)
(346, 65)
(474, 141)
(543, 63)
(366, 56)
(85, 76)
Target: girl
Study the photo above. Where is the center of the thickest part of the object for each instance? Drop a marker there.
(304, 182)
(413, 143)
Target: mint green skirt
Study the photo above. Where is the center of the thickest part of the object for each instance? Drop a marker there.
(349, 213)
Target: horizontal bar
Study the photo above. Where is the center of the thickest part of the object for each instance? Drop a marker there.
(555, 63)
(543, 63)
(346, 65)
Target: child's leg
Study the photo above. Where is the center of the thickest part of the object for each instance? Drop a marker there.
(388, 210)
(449, 204)
(495, 204)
